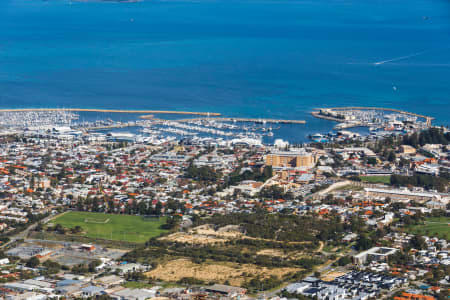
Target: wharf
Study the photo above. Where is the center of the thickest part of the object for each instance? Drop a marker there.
(254, 120)
(108, 127)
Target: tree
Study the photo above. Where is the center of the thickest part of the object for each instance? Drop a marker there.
(372, 161)
(52, 266)
(77, 229)
(135, 276)
(93, 265)
(418, 242)
(267, 173)
(172, 222)
(364, 243)
(391, 156)
(158, 208)
(33, 262)
(39, 227)
(60, 229)
(344, 260)
(426, 181)
(203, 173)
(80, 269)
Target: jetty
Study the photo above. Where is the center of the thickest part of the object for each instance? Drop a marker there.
(254, 120)
(113, 126)
(123, 111)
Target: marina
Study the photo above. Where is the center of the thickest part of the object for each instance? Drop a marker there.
(338, 114)
(255, 120)
(36, 118)
(379, 121)
(67, 125)
(353, 123)
(110, 111)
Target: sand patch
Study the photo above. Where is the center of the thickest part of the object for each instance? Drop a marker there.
(182, 237)
(330, 276)
(207, 234)
(271, 252)
(218, 272)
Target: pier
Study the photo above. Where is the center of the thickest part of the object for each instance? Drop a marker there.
(113, 111)
(114, 126)
(254, 120)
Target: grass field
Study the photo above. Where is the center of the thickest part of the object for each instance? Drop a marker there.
(112, 227)
(376, 179)
(435, 227)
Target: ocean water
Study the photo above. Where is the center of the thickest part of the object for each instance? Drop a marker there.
(248, 58)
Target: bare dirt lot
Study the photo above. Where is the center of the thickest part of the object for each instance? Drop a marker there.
(206, 234)
(271, 252)
(182, 237)
(330, 276)
(219, 272)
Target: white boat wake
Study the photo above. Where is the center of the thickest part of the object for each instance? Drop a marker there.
(382, 62)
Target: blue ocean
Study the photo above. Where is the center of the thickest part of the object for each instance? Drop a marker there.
(248, 58)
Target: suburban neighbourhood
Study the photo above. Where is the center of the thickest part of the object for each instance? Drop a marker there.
(91, 215)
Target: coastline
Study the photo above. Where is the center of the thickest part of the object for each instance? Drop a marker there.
(112, 111)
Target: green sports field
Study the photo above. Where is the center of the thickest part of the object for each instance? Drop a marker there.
(376, 179)
(434, 227)
(113, 227)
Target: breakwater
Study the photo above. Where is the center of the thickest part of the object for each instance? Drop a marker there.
(320, 116)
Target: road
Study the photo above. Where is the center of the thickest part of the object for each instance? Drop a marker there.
(24, 233)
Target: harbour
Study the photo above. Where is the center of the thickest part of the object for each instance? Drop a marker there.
(255, 120)
(380, 121)
(135, 125)
(124, 111)
(319, 113)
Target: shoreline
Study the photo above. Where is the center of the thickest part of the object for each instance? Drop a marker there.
(167, 112)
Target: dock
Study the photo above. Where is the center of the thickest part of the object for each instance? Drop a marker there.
(254, 120)
(106, 127)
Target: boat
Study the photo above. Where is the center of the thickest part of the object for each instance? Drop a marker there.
(316, 136)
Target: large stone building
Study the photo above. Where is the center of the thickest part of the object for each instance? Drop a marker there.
(291, 159)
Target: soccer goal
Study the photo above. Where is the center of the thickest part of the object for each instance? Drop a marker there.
(96, 221)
